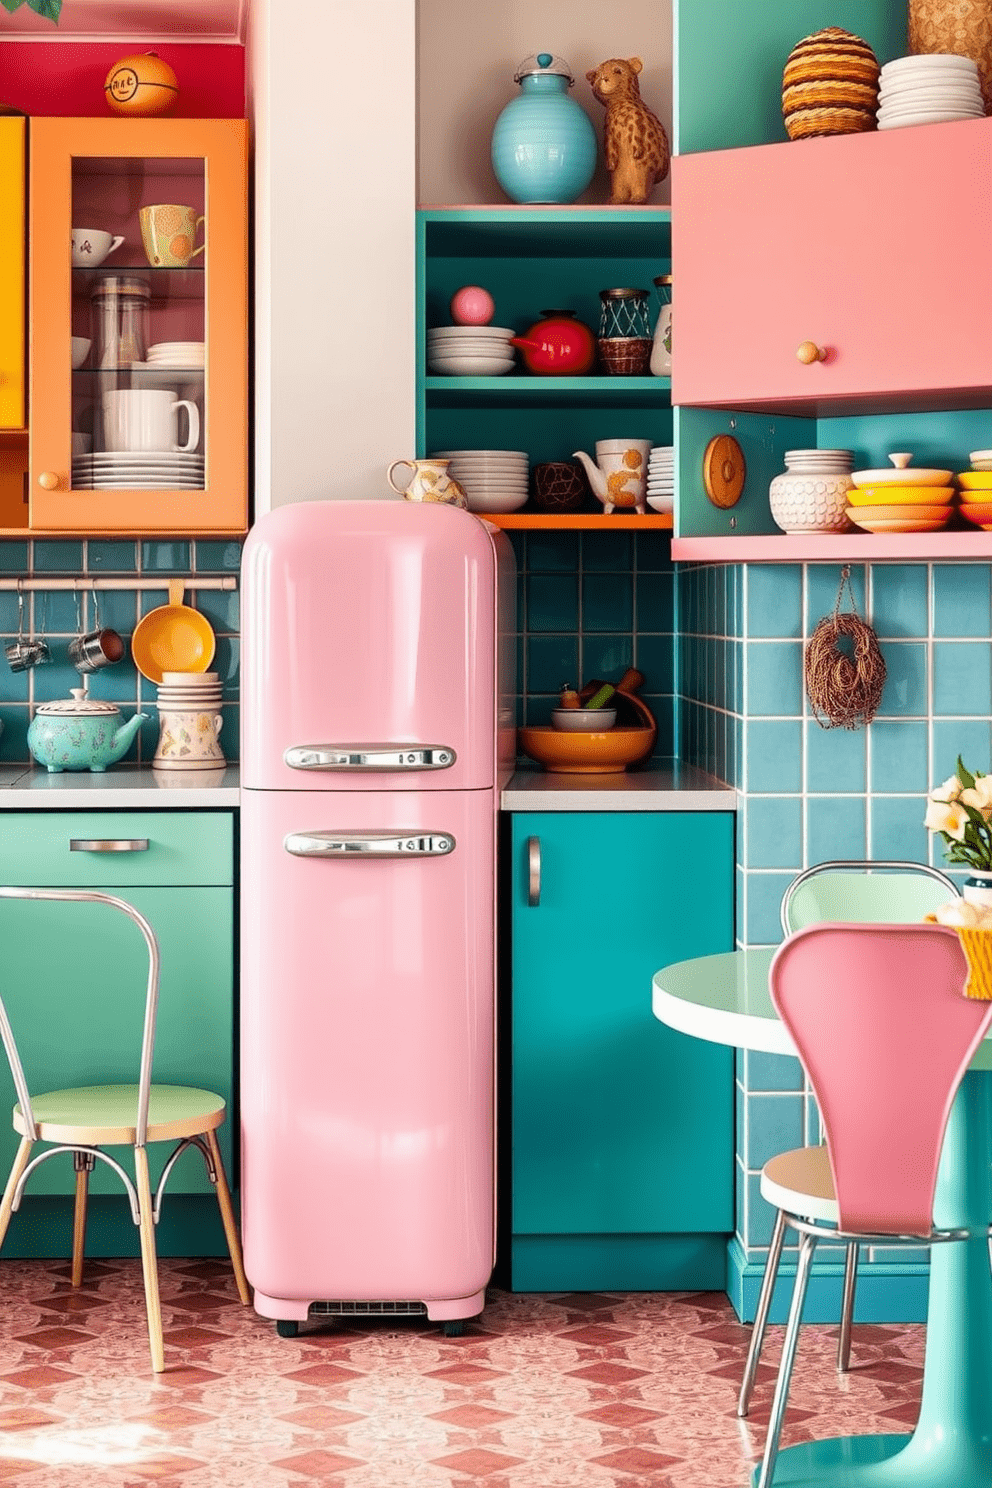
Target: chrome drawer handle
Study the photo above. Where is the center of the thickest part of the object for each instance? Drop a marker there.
(369, 757)
(108, 844)
(533, 871)
(369, 844)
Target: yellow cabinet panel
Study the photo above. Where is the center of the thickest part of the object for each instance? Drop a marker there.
(11, 273)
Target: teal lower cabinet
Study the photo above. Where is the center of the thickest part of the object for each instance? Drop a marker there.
(622, 1129)
(73, 977)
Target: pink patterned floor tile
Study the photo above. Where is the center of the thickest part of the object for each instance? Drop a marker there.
(560, 1390)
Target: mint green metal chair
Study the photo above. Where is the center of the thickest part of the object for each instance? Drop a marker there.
(82, 1120)
(852, 892)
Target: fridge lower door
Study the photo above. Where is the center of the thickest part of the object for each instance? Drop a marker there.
(367, 1048)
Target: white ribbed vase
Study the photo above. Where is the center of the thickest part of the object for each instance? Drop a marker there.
(811, 493)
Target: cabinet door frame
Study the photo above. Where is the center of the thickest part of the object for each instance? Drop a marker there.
(222, 507)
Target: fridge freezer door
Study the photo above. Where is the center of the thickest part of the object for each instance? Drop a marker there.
(369, 648)
(367, 1046)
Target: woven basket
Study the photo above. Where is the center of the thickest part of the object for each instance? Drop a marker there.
(829, 85)
(625, 356)
(963, 27)
(560, 486)
(977, 947)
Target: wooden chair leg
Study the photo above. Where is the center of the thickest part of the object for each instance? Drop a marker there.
(83, 1164)
(149, 1263)
(227, 1217)
(6, 1203)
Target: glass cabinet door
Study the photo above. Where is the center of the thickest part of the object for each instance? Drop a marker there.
(138, 274)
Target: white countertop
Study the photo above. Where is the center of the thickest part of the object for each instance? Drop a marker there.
(676, 788)
(27, 787)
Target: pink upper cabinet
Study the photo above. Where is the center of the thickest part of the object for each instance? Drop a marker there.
(368, 627)
(873, 247)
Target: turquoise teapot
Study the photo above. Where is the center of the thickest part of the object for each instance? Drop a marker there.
(80, 733)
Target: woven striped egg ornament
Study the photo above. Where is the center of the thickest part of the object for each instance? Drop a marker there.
(829, 85)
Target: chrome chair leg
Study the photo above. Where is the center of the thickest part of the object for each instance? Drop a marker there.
(847, 1308)
(807, 1245)
(761, 1314)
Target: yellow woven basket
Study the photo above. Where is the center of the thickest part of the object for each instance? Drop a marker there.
(977, 946)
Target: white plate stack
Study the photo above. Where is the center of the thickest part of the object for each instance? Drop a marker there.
(138, 470)
(493, 480)
(470, 351)
(661, 478)
(185, 354)
(928, 89)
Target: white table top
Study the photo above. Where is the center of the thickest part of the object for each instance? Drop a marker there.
(725, 1000)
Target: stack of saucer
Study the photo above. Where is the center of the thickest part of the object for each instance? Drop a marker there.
(470, 350)
(185, 354)
(661, 478)
(493, 480)
(189, 705)
(138, 470)
(928, 89)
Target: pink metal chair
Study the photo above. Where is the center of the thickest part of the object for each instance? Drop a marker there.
(885, 1035)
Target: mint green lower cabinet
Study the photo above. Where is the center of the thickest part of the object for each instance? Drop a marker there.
(622, 1129)
(73, 977)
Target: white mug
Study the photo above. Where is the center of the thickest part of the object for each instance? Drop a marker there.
(147, 419)
(91, 245)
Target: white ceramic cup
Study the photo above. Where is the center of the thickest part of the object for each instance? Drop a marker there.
(147, 419)
(91, 245)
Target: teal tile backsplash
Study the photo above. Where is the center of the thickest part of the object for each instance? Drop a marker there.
(58, 615)
(809, 794)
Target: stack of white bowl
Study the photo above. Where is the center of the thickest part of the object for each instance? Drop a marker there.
(928, 89)
(189, 704)
(661, 478)
(493, 480)
(470, 350)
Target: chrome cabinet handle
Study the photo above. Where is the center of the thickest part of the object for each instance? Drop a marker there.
(369, 844)
(108, 844)
(533, 871)
(369, 757)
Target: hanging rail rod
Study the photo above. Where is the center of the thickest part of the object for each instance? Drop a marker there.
(87, 581)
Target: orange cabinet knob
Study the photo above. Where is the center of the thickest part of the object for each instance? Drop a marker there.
(808, 352)
(48, 480)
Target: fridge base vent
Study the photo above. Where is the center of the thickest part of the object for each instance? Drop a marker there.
(368, 1309)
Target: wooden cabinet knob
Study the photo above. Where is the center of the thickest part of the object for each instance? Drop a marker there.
(808, 352)
(48, 480)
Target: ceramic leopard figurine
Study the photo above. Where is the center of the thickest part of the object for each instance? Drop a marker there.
(636, 144)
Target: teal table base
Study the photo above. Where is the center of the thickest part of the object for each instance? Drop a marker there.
(952, 1444)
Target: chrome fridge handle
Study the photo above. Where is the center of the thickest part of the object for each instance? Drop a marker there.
(369, 757)
(369, 844)
(533, 871)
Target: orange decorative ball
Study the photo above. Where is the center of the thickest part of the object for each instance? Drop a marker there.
(141, 85)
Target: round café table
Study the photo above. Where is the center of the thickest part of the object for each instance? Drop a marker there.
(725, 1000)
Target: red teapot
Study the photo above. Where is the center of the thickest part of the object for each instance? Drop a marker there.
(558, 345)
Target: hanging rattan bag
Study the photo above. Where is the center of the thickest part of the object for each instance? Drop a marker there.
(844, 683)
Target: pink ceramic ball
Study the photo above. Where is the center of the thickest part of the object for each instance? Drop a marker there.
(472, 305)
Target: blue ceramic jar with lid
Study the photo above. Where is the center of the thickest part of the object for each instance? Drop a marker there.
(544, 143)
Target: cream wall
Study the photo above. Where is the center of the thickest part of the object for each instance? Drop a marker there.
(468, 51)
(332, 97)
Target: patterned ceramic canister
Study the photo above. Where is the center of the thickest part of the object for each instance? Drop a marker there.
(811, 493)
(189, 741)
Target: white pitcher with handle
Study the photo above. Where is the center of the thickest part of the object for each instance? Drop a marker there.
(619, 478)
(429, 481)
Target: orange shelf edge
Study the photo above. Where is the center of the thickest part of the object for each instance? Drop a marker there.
(587, 520)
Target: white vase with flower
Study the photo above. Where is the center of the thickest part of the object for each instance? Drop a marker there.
(960, 811)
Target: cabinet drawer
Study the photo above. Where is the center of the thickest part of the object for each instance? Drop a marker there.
(78, 849)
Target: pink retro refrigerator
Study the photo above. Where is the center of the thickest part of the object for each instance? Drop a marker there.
(377, 729)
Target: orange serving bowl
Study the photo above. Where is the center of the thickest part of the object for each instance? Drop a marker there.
(979, 512)
(605, 753)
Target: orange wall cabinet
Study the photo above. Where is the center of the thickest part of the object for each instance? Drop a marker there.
(138, 330)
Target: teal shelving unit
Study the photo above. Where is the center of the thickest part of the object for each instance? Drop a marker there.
(532, 259)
